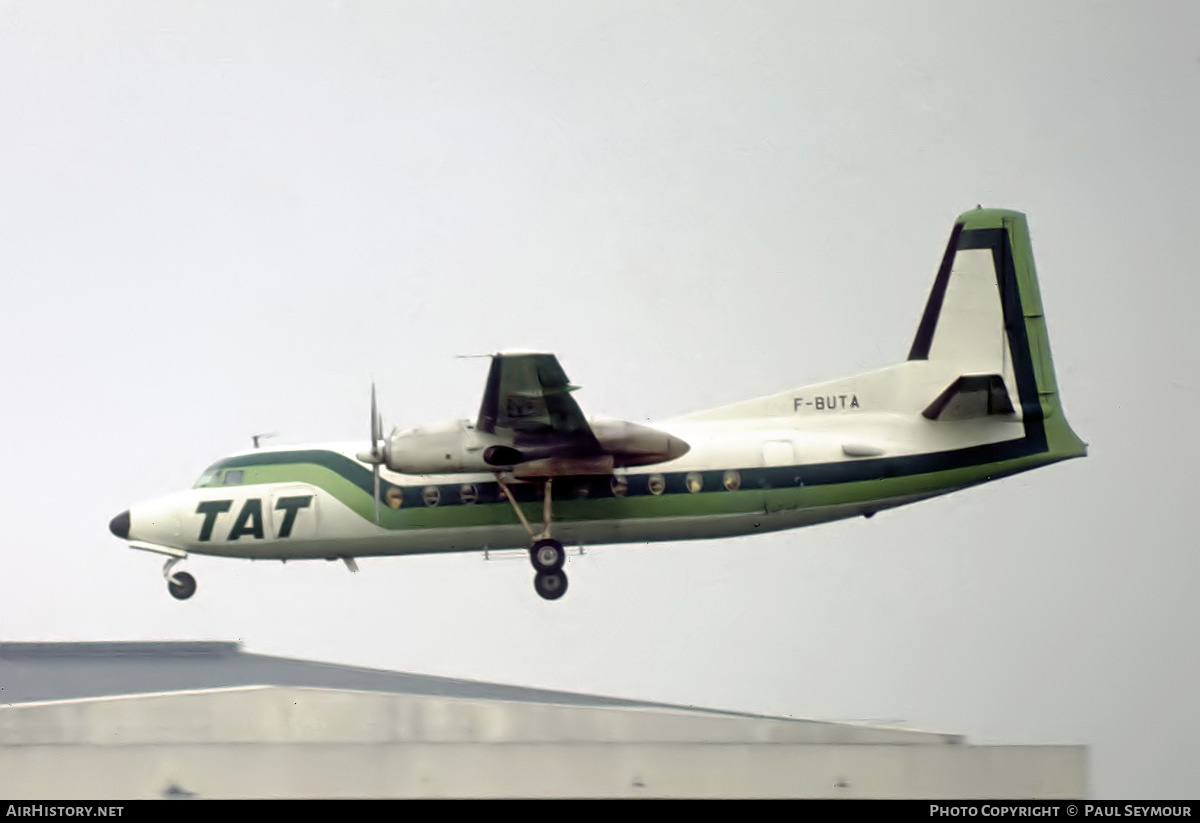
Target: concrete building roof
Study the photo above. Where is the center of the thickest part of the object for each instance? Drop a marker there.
(44, 672)
(57, 671)
(290, 714)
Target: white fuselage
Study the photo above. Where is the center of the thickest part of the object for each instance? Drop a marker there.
(839, 428)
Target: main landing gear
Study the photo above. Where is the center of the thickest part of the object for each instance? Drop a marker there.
(546, 553)
(181, 585)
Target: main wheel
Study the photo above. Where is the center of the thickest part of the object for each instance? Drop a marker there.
(547, 556)
(183, 589)
(550, 585)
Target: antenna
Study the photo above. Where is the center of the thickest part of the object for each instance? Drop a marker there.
(261, 435)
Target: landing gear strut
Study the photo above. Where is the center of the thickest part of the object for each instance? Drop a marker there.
(181, 585)
(546, 554)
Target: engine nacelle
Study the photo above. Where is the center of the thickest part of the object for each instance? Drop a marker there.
(631, 444)
(457, 446)
(444, 448)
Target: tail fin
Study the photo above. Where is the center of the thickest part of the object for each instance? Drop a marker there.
(981, 347)
(984, 317)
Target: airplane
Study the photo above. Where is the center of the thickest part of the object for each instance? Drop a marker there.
(975, 400)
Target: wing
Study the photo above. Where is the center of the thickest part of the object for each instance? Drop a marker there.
(529, 395)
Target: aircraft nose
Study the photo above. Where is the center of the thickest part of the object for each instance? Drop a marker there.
(119, 525)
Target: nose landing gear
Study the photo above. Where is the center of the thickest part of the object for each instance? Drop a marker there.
(546, 553)
(181, 585)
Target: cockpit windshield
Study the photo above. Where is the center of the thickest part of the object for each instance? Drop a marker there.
(209, 478)
(219, 474)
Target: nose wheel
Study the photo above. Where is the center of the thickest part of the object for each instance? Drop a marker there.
(181, 585)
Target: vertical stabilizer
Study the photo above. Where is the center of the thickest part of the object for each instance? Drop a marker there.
(984, 317)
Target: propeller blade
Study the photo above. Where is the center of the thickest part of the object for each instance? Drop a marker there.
(376, 455)
(376, 423)
(376, 472)
(376, 452)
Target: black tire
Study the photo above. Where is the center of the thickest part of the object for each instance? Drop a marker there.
(547, 556)
(550, 585)
(185, 588)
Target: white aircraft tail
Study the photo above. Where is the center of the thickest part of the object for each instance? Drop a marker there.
(963, 323)
(981, 347)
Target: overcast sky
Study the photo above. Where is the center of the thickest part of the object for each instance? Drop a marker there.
(222, 219)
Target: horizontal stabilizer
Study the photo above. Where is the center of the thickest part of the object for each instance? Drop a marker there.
(970, 396)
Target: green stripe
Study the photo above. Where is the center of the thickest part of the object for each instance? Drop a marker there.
(351, 483)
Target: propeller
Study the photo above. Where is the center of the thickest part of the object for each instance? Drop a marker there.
(375, 456)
